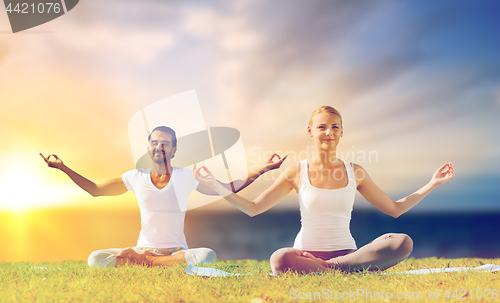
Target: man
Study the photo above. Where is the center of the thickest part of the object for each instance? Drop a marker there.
(161, 192)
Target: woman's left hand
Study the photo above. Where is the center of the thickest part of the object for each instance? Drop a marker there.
(443, 174)
(318, 260)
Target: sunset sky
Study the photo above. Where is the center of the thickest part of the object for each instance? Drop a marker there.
(417, 83)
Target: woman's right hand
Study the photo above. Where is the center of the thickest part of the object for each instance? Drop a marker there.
(317, 260)
(270, 164)
(56, 163)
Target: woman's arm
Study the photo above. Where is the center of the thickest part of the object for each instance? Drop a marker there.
(238, 185)
(373, 194)
(274, 194)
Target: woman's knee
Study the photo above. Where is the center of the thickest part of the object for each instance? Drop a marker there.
(403, 245)
(406, 246)
(400, 245)
(282, 259)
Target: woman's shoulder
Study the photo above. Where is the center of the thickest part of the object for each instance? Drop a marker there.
(355, 165)
(294, 167)
(292, 170)
(359, 171)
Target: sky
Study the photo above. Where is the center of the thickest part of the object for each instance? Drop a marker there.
(417, 83)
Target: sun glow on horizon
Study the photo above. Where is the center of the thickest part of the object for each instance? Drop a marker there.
(24, 187)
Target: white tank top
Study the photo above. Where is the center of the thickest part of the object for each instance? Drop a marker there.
(325, 214)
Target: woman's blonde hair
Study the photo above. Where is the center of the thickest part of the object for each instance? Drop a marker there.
(325, 109)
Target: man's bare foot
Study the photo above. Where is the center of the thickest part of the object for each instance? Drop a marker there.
(130, 256)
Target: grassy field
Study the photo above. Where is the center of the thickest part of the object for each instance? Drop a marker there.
(75, 282)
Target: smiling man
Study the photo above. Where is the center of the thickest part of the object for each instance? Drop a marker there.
(161, 191)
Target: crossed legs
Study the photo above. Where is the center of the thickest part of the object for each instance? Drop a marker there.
(147, 258)
(150, 256)
(380, 254)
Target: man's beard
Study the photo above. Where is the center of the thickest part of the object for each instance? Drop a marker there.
(160, 157)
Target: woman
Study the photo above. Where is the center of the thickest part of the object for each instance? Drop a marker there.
(326, 186)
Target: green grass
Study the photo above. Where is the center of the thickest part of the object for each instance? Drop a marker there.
(75, 282)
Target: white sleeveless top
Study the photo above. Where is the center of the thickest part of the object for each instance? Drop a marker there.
(325, 214)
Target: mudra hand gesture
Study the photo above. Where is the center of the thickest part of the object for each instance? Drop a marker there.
(208, 179)
(270, 165)
(211, 181)
(56, 163)
(443, 174)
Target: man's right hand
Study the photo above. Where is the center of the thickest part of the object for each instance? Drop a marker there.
(112, 187)
(55, 163)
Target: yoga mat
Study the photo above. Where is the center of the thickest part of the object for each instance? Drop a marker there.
(213, 272)
(485, 268)
(207, 272)
(35, 267)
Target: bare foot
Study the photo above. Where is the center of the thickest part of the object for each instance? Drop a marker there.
(130, 256)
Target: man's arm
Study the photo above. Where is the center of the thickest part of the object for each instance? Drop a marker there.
(113, 187)
(240, 184)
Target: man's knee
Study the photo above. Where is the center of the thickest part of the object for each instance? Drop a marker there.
(101, 258)
(201, 255)
(207, 255)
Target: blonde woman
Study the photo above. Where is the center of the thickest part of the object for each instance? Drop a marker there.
(326, 186)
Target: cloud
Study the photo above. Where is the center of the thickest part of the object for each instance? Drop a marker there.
(119, 44)
(261, 67)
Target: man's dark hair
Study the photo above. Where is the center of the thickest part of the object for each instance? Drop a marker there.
(166, 130)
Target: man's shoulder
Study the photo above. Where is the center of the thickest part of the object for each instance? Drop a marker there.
(135, 172)
(183, 171)
(141, 170)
